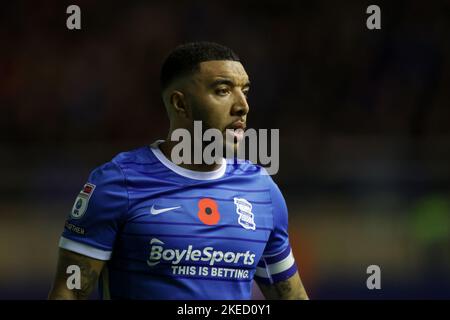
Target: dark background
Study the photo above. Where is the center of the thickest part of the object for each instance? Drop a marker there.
(363, 117)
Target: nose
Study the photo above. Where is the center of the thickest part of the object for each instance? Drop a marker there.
(240, 107)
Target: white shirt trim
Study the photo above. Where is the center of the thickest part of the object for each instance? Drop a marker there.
(197, 175)
(282, 265)
(84, 249)
(261, 272)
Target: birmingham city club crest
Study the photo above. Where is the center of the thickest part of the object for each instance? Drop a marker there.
(244, 210)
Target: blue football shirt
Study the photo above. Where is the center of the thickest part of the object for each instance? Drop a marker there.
(171, 233)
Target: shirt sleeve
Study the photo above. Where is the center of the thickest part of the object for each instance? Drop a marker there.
(96, 215)
(277, 262)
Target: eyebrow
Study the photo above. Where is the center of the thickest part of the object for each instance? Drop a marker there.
(228, 82)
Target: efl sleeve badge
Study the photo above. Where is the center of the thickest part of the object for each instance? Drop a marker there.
(82, 201)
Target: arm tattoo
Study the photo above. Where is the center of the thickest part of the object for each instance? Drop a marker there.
(284, 288)
(291, 288)
(88, 280)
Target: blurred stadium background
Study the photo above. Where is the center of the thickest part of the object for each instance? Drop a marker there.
(363, 117)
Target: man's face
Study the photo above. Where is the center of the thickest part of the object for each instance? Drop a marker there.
(217, 95)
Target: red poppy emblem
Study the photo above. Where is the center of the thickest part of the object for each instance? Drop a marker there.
(208, 212)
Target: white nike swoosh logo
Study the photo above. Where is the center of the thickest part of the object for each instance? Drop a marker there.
(158, 211)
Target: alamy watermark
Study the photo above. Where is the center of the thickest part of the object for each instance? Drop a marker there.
(74, 278)
(209, 147)
(374, 280)
(373, 22)
(74, 20)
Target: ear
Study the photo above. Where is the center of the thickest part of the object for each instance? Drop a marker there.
(179, 103)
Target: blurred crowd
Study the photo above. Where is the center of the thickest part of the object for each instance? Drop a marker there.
(316, 68)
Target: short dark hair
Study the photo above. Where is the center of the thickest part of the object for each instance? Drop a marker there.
(187, 57)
